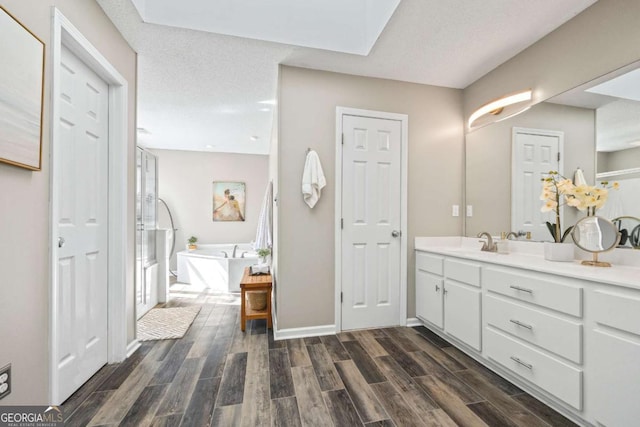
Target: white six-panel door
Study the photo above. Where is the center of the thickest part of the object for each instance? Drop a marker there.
(535, 153)
(81, 225)
(371, 213)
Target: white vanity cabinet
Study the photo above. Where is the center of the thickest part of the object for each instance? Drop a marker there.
(534, 328)
(614, 346)
(448, 296)
(429, 288)
(567, 334)
(462, 301)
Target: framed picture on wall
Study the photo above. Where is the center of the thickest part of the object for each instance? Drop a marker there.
(228, 201)
(21, 94)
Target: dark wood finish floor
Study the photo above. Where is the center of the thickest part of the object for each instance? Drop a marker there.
(216, 375)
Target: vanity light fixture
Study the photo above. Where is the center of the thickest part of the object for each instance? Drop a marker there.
(505, 107)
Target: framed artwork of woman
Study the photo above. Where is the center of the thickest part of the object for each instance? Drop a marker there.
(228, 201)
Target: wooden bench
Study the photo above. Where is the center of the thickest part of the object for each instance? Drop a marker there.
(248, 284)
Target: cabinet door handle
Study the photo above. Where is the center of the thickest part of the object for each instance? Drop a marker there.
(518, 288)
(526, 365)
(524, 325)
(437, 288)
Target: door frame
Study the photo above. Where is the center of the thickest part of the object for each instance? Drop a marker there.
(64, 33)
(532, 131)
(404, 141)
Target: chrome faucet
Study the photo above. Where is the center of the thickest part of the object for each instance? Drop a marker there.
(488, 246)
(512, 233)
(243, 254)
(235, 248)
(226, 255)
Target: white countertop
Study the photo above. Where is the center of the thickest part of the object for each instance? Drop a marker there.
(625, 269)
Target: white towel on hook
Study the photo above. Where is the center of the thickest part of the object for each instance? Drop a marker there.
(312, 179)
(265, 221)
(578, 177)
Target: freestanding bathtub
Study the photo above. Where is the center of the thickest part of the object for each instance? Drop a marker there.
(215, 267)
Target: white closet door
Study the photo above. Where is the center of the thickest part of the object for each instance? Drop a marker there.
(81, 220)
(371, 208)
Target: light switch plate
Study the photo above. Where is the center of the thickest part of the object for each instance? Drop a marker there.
(469, 210)
(455, 211)
(5, 380)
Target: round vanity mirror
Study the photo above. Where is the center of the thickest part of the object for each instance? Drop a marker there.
(595, 234)
(629, 228)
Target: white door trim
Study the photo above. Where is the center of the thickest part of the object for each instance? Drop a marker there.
(545, 132)
(404, 119)
(64, 33)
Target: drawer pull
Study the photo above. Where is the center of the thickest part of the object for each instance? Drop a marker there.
(526, 365)
(524, 325)
(518, 288)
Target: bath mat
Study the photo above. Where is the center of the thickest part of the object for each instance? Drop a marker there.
(166, 323)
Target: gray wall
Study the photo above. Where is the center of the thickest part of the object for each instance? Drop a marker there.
(273, 177)
(307, 116)
(601, 39)
(185, 183)
(24, 210)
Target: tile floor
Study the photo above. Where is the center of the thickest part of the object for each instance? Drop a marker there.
(216, 375)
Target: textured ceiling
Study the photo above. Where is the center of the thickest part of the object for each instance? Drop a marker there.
(618, 125)
(198, 89)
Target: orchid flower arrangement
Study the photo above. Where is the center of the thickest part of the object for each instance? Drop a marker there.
(558, 191)
(591, 197)
(555, 190)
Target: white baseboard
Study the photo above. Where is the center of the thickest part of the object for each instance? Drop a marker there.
(132, 347)
(316, 331)
(312, 331)
(413, 321)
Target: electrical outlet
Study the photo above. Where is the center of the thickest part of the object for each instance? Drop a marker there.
(5, 381)
(455, 211)
(469, 210)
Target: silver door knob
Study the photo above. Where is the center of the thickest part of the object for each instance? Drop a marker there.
(396, 233)
(60, 242)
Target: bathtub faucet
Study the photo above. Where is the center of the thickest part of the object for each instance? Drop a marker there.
(235, 248)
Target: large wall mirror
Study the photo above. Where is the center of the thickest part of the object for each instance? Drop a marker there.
(594, 127)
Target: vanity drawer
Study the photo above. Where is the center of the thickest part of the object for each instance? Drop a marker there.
(617, 311)
(462, 271)
(431, 263)
(539, 290)
(551, 333)
(559, 379)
